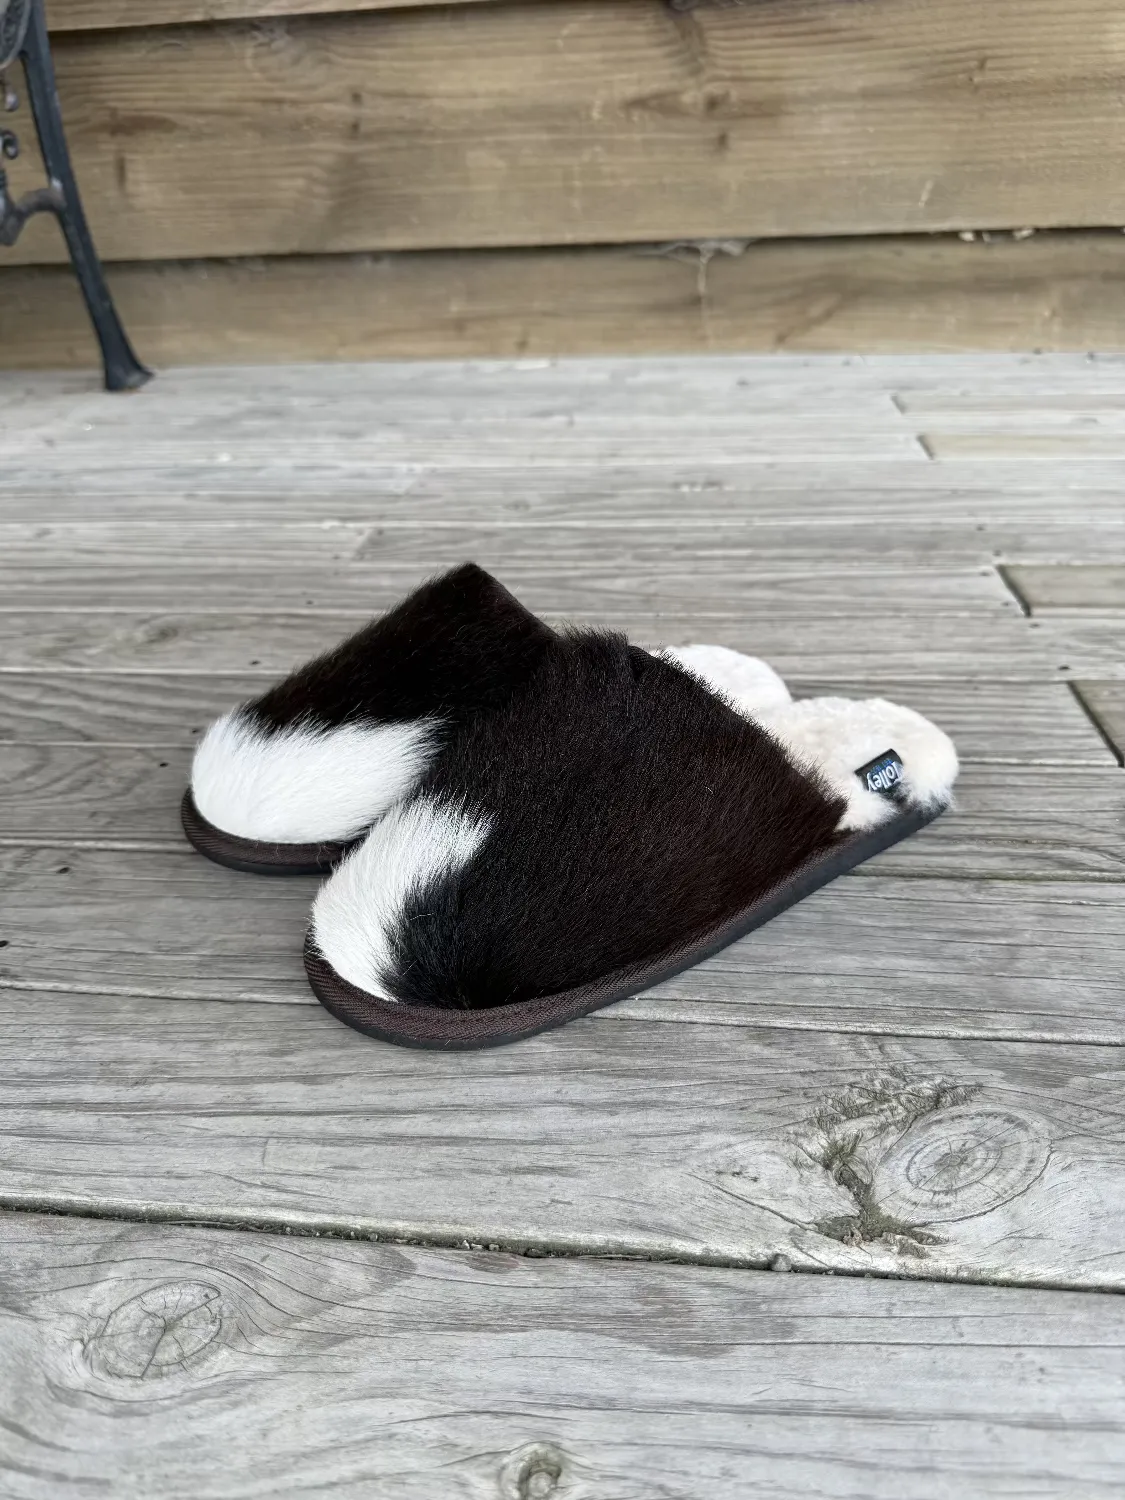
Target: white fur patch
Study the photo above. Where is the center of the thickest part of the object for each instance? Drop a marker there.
(748, 683)
(836, 736)
(304, 785)
(356, 911)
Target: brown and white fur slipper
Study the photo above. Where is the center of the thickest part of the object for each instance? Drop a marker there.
(617, 818)
(287, 783)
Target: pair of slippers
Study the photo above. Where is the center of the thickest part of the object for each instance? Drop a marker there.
(522, 826)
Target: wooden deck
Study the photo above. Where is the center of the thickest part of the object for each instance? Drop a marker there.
(246, 1252)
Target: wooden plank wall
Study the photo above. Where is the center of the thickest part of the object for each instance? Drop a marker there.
(737, 176)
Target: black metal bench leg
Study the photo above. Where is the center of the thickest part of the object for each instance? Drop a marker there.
(123, 370)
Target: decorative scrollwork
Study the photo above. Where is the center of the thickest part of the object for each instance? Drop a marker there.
(24, 39)
(15, 212)
(14, 16)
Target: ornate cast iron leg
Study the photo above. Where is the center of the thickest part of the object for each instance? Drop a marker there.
(123, 370)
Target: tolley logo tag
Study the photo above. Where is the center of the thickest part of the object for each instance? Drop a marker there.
(883, 774)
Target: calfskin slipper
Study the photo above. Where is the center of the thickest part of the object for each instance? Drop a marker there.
(620, 816)
(287, 783)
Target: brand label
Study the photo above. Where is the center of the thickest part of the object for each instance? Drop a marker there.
(883, 774)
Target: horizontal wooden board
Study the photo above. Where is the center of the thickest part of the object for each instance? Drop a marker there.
(789, 512)
(1099, 586)
(352, 402)
(126, 709)
(1030, 957)
(994, 723)
(589, 576)
(994, 1161)
(936, 645)
(1105, 702)
(88, 15)
(853, 295)
(591, 121)
(1083, 644)
(499, 441)
(1042, 446)
(134, 1355)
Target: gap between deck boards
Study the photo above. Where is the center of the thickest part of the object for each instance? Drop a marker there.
(531, 1246)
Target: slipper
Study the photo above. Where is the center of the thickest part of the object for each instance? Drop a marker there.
(614, 822)
(287, 783)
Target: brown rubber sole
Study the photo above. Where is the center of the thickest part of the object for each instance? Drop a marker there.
(253, 856)
(439, 1029)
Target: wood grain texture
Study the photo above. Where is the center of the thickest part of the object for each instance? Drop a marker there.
(592, 121)
(1105, 703)
(994, 1161)
(1083, 644)
(1006, 443)
(1097, 586)
(976, 648)
(334, 1368)
(896, 950)
(852, 295)
(992, 723)
(295, 444)
(919, 1065)
(793, 513)
(671, 570)
(90, 15)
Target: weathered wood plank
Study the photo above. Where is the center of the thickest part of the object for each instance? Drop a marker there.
(1099, 586)
(1083, 644)
(792, 514)
(1105, 702)
(1030, 445)
(990, 722)
(1030, 958)
(334, 421)
(89, 15)
(927, 380)
(126, 709)
(853, 294)
(343, 403)
(156, 543)
(477, 1374)
(673, 570)
(937, 644)
(952, 1159)
(487, 441)
(442, 127)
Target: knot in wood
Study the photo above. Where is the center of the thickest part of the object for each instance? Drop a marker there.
(158, 1331)
(533, 1472)
(958, 1163)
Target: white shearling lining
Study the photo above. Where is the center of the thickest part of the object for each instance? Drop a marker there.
(305, 785)
(354, 916)
(835, 736)
(748, 683)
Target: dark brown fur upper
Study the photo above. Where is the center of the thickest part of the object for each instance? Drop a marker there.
(454, 647)
(631, 812)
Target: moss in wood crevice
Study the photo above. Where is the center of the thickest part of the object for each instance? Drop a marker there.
(885, 1102)
(840, 1159)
